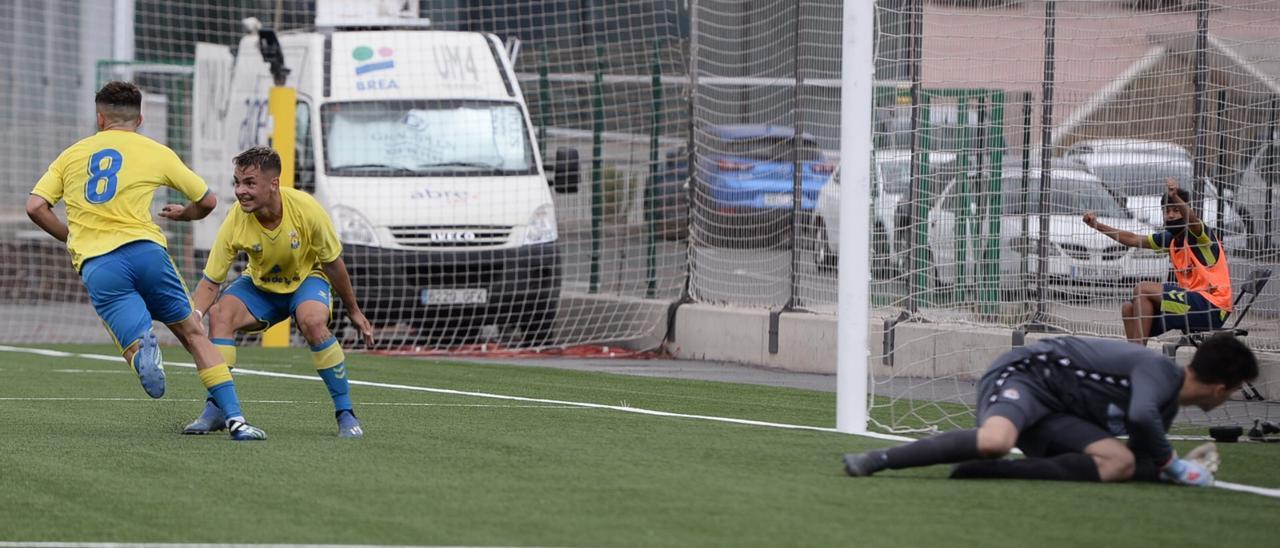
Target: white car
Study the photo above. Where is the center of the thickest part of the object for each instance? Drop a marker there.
(1137, 170)
(890, 186)
(960, 244)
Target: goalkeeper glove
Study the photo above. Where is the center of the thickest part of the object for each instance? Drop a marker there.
(1186, 472)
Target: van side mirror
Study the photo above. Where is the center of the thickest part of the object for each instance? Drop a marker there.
(568, 171)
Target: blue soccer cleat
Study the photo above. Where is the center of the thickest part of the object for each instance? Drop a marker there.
(149, 365)
(211, 420)
(243, 431)
(348, 425)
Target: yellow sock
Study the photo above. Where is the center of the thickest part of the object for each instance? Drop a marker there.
(226, 347)
(215, 375)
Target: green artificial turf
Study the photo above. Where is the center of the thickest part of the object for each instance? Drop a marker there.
(85, 456)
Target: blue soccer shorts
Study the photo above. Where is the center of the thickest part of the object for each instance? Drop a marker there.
(270, 308)
(133, 284)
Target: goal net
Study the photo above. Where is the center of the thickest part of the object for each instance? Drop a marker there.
(1014, 119)
(509, 177)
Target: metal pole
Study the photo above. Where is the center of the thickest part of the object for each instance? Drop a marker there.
(853, 313)
(1219, 168)
(650, 206)
(915, 197)
(691, 167)
(544, 100)
(597, 166)
(1025, 178)
(1269, 167)
(797, 161)
(1046, 127)
(1200, 109)
(958, 289)
(995, 193)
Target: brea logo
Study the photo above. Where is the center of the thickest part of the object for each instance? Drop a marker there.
(365, 56)
(368, 61)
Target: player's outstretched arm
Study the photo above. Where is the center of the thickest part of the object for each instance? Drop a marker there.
(41, 213)
(1123, 236)
(193, 211)
(341, 281)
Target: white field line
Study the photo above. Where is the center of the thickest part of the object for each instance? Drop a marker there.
(20, 544)
(290, 402)
(1269, 492)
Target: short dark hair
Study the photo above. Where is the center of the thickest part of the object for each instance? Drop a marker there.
(262, 157)
(1182, 193)
(119, 101)
(1224, 359)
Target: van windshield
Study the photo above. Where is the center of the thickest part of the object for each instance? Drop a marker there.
(425, 138)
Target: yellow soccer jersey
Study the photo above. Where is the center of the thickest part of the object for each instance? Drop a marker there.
(108, 181)
(279, 259)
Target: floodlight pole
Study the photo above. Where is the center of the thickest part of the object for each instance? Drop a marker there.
(857, 73)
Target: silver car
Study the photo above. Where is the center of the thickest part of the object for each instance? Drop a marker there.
(890, 187)
(1137, 169)
(960, 246)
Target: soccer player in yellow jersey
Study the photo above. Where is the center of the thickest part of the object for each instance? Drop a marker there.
(294, 258)
(108, 181)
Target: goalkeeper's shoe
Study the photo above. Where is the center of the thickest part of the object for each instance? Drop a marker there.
(1186, 472)
(211, 420)
(149, 365)
(1205, 455)
(243, 431)
(862, 464)
(348, 425)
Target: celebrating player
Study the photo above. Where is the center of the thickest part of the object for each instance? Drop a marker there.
(108, 181)
(1201, 299)
(1062, 401)
(294, 257)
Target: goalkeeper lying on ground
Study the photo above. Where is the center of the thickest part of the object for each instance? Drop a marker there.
(1062, 401)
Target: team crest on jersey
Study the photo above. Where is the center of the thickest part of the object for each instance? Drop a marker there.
(294, 242)
(1011, 394)
(257, 248)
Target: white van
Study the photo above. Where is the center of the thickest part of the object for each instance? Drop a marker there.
(419, 144)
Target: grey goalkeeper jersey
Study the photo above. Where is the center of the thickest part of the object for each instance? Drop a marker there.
(1119, 386)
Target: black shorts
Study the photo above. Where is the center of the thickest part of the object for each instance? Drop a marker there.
(1186, 311)
(1043, 429)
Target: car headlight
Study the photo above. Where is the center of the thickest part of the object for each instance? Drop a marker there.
(542, 226)
(352, 227)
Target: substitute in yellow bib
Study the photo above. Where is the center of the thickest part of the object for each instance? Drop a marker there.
(108, 181)
(294, 260)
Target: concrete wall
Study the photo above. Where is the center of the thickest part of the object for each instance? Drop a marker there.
(807, 343)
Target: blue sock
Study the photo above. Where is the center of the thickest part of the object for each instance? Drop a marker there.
(335, 378)
(224, 395)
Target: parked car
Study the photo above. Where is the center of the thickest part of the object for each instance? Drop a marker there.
(743, 187)
(890, 186)
(1253, 183)
(959, 243)
(1137, 170)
